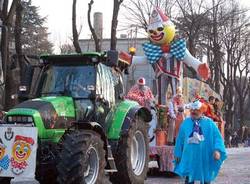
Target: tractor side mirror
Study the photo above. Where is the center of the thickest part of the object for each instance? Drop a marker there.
(112, 58)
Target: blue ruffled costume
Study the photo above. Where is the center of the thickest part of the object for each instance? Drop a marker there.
(196, 160)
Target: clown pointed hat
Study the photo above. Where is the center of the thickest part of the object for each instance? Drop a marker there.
(158, 19)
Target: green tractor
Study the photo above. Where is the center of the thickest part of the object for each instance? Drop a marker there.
(87, 133)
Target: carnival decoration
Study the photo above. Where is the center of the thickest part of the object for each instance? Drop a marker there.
(18, 155)
(166, 52)
(194, 87)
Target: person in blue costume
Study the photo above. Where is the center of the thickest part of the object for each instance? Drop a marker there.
(199, 151)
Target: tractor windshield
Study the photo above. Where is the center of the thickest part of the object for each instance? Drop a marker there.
(75, 81)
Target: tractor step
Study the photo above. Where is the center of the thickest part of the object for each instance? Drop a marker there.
(110, 170)
(111, 161)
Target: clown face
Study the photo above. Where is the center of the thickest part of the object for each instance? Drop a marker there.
(21, 151)
(2, 152)
(163, 34)
(161, 30)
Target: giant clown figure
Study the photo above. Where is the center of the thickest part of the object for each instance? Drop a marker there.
(167, 53)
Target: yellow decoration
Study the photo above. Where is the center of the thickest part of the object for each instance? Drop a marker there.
(132, 50)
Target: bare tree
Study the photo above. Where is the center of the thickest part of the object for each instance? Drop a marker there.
(242, 73)
(192, 21)
(66, 48)
(95, 37)
(138, 11)
(232, 35)
(7, 22)
(114, 24)
(74, 29)
(17, 33)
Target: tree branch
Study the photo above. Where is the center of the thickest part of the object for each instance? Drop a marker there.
(114, 24)
(95, 37)
(74, 29)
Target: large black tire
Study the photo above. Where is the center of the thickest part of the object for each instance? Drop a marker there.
(5, 180)
(75, 158)
(126, 174)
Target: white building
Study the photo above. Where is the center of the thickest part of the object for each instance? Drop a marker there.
(123, 44)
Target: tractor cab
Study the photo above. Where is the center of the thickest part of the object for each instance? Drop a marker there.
(92, 80)
(85, 78)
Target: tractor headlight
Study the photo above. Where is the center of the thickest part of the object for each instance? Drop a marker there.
(22, 88)
(94, 60)
(30, 120)
(14, 119)
(9, 119)
(24, 118)
(19, 119)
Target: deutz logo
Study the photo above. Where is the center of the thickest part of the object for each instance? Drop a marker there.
(9, 134)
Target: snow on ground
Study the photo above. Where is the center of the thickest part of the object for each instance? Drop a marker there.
(232, 151)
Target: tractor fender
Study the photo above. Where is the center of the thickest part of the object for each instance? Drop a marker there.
(142, 112)
(121, 118)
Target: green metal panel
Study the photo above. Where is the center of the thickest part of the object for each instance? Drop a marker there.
(116, 119)
(64, 106)
(53, 135)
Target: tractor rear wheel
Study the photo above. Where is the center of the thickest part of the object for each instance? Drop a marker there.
(82, 159)
(132, 156)
(5, 180)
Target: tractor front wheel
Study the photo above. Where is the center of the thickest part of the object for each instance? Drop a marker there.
(132, 155)
(82, 159)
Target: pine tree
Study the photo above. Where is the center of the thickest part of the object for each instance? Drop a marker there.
(34, 34)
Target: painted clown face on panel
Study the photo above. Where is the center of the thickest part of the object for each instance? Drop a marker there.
(22, 148)
(161, 30)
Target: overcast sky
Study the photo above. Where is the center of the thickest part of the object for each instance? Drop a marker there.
(59, 13)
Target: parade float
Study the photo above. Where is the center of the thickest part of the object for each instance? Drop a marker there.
(166, 52)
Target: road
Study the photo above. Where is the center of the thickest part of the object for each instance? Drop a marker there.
(235, 170)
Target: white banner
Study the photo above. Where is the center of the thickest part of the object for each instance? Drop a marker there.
(18, 146)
